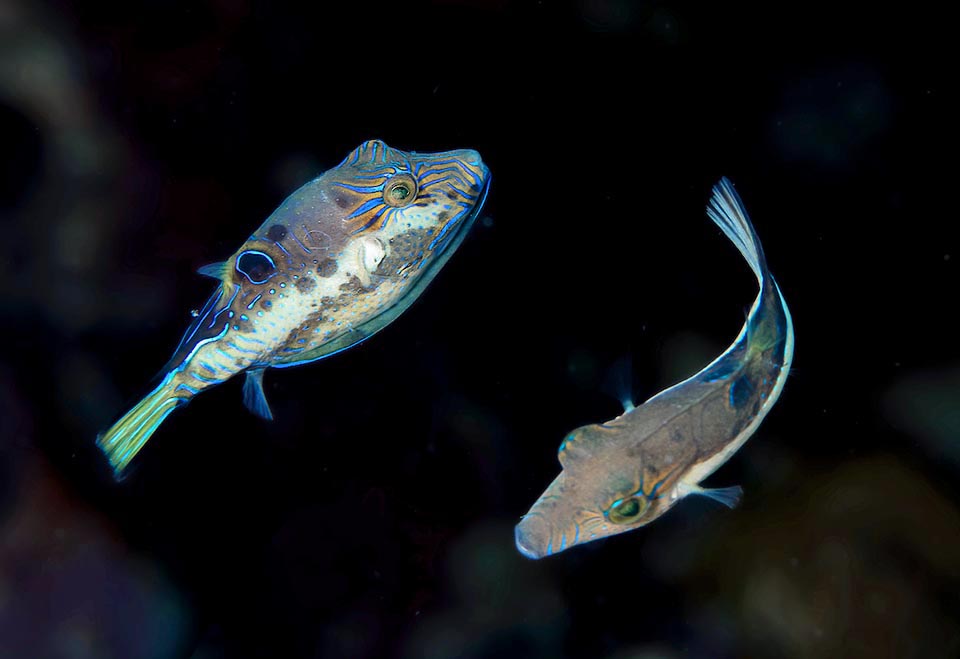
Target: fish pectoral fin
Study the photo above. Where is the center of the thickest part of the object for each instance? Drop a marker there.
(216, 270)
(728, 496)
(253, 397)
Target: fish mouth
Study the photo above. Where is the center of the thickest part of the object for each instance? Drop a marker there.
(520, 540)
(533, 536)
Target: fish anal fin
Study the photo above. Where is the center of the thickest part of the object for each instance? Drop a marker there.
(253, 397)
(728, 496)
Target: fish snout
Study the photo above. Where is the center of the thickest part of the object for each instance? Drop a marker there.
(468, 159)
(532, 537)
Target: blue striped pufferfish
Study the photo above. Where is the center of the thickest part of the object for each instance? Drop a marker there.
(338, 260)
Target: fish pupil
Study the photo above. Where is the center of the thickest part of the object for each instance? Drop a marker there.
(627, 510)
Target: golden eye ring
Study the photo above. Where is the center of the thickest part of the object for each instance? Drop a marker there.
(627, 510)
(400, 191)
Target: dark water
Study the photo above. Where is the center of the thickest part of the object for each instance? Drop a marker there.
(374, 517)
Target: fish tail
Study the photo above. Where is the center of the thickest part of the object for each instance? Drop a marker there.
(727, 211)
(128, 435)
(769, 321)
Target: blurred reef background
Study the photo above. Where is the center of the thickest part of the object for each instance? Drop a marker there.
(374, 517)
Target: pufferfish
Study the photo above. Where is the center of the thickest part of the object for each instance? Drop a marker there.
(340, 258)
(623, 474)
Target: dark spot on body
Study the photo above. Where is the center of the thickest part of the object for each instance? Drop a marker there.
(277, 232)
(740, 391)
(266, 304)
(352, 286)
(442, 216)
(676, 435)
(342, 202)
(451, 196)
(327, 268)
(306, 284)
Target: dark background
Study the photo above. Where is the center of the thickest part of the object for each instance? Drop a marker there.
(374, 517)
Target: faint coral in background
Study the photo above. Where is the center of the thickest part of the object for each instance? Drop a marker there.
(926, 404)
(499, 604)
(68, 585)
(62, 227)
(860, 560)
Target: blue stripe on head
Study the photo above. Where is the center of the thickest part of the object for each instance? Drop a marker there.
(365, 189)
(370, 205)
(369, 223)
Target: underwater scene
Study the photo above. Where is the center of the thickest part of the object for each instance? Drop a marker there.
(589, 329)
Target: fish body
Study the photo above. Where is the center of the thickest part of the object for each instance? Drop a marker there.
(623, 474)
(337, 261)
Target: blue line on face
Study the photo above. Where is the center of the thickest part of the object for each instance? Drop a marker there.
(293, 234)
(365, 189)
(468, 172)
(432, 183)
(450, 223)
(370, 205)
(653, 493)
(372, 220)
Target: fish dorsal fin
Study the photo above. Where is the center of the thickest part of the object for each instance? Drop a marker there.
(372, 153)
(219, 270)
(619, 382)
(253, 397)
(581, 443)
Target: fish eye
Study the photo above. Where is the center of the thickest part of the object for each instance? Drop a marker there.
(256, 266)
(400, 191)
(626, 510)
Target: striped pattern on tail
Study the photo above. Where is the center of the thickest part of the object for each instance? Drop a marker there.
(128, 435)
(727, 212)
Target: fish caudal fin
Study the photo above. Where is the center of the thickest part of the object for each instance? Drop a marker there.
(727, 211)
(128, 435)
